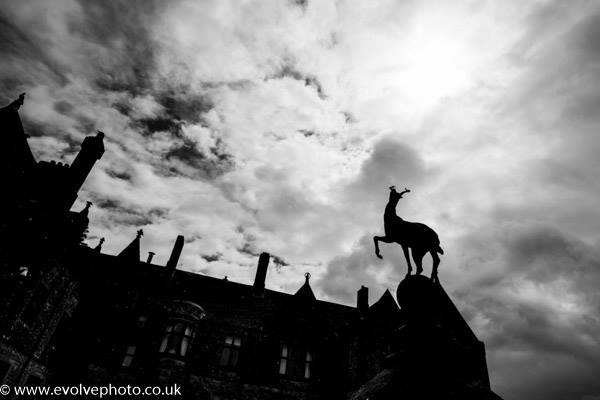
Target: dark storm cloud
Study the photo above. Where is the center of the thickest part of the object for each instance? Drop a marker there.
(18, 47)
(288, 70)
(186, 107)
(81, 122)
(177, 109)
(129, 215)
(279, 262)
(122, 175)
(211, 257)
(542, 305)
(349, 117)
(306, 132)
(391, 162)
(201, 165)
(122, 29)
(300, 3)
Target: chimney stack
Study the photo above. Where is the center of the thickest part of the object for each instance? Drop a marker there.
(174, 259)
(261, 273)
(362, 299)
(150, 256)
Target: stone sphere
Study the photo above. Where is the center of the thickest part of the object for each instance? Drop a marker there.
(415, 293)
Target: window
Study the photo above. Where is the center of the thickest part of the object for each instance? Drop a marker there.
(285, 358)
(128, 359)
(295, 362)
(231, 351)
(307, 364)
(177, 340)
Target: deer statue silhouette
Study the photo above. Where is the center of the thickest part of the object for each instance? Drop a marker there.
(420, 238)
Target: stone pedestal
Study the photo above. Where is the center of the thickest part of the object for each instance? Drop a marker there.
(435, 354)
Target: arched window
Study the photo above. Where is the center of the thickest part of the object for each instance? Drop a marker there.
(177, 339)
(181, 317)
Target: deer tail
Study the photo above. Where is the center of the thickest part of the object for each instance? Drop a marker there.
(439, 249)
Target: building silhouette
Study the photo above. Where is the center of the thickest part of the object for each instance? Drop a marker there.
(71, 314)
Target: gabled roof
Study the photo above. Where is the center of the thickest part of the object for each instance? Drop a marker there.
(132, 251)
(386, 305)
(305, 292)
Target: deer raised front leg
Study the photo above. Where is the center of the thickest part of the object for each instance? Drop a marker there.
(378, 239)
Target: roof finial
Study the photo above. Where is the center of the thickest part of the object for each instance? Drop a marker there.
(99, 246)
(16, 104)
(85, 211)
(140, 233)
(305, 292)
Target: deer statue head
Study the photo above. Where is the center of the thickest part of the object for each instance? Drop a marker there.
(395, 196)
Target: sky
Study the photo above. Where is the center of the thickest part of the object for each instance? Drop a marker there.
(277, 126)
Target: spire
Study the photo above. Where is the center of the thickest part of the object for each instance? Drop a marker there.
(305, 292)
(98, 247)
(85, 211)
(132, 251)
(17, 103)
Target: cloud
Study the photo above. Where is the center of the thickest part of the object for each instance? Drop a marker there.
(541, 310)
(278, 126)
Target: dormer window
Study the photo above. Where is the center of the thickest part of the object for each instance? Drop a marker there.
(231, 351)
(177, 339)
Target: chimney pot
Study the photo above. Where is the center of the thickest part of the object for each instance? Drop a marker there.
(150, 256)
